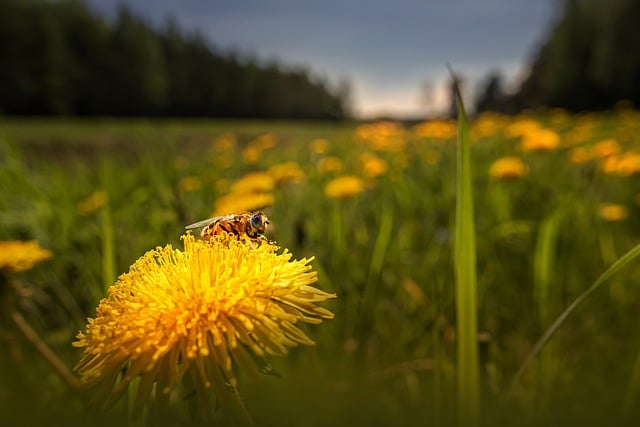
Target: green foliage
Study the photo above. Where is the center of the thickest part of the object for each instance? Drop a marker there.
(69, 61)
(590, 59)
(390, 356)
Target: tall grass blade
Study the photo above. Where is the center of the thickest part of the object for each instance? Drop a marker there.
(544, 261)
(466, 282)
(615, 267)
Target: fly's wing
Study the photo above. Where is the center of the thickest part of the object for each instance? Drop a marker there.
(208, 221)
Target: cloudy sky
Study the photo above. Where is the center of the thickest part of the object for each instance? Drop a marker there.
(394, 53)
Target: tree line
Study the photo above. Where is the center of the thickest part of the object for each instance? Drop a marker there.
(590, 60)
(61, 58)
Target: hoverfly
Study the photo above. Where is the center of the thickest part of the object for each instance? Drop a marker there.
(245, 226)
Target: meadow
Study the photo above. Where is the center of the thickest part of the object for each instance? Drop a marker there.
(556, 200)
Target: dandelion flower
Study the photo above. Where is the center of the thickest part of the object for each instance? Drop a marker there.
(20, 256)
(344, 187)
(253, 182)
(319, 146)
(613, 212)
(286, 172)
(508, 168)
(242, 202)
(540, 140)
(189, 183)
(372, 165)
(330, 164)
(201, 312)
(92, 203)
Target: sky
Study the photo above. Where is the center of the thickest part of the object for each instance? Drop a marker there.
(393, 53)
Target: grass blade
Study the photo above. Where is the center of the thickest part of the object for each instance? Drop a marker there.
(466, 282)
(615, 267)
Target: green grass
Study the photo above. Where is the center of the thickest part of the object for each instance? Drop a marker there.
(398, 351)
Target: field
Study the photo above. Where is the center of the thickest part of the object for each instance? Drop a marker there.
(556, 199)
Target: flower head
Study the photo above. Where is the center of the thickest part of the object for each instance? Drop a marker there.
(242, 202)
(508, 168)
(344, 187)
(613, 212)
(199, 312)
(19, 256)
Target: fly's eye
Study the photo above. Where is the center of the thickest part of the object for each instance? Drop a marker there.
(256, 221)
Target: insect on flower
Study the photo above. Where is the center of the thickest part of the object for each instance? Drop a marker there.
(246, 226)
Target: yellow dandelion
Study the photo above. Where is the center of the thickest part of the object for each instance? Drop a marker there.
(319, 146)
(628, 164)
(189, 183)
(19, 256)
(372, 165)
(251, 155)
(579, 155)
(330, 164)
(92, 203)
(344, 187)
(540, 140)
(436, 129)
(613, 212)
(286, 172)
(508, 168)
(225, 142)
(253, 182)
(242, 202)
(203, 313)
(606, 148)
(521, 127)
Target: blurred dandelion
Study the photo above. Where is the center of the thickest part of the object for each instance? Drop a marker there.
(540, 140)
(253, 182)
(197, 315)
(330, 164)
(579, 155)
(92, 203)
(372, 165)
(242, 202)
(19, 256)
(189, 183)
(344, 187)
(436, 129)
(319, 146)
(508, 168)
(613, 212)
(286, 172)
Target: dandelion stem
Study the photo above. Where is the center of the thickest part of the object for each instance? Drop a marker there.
(45, 351)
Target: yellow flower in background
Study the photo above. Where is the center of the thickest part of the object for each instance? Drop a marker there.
(613, 212)
(330, 164)
(508, 168)
(255, 147)
(436, 129)
(225, 142)
(253, 182)
(628, 164)
(487, 125)
(92, 203)
(242, 202)
(372, 165)
(579, 155)
(382, 136)
(19, 256)
(319, 146)
(189, 183)
(606, 148)
(203, 312)
(344, 187)
(540, 140)
(286, 172)
(522, 126)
